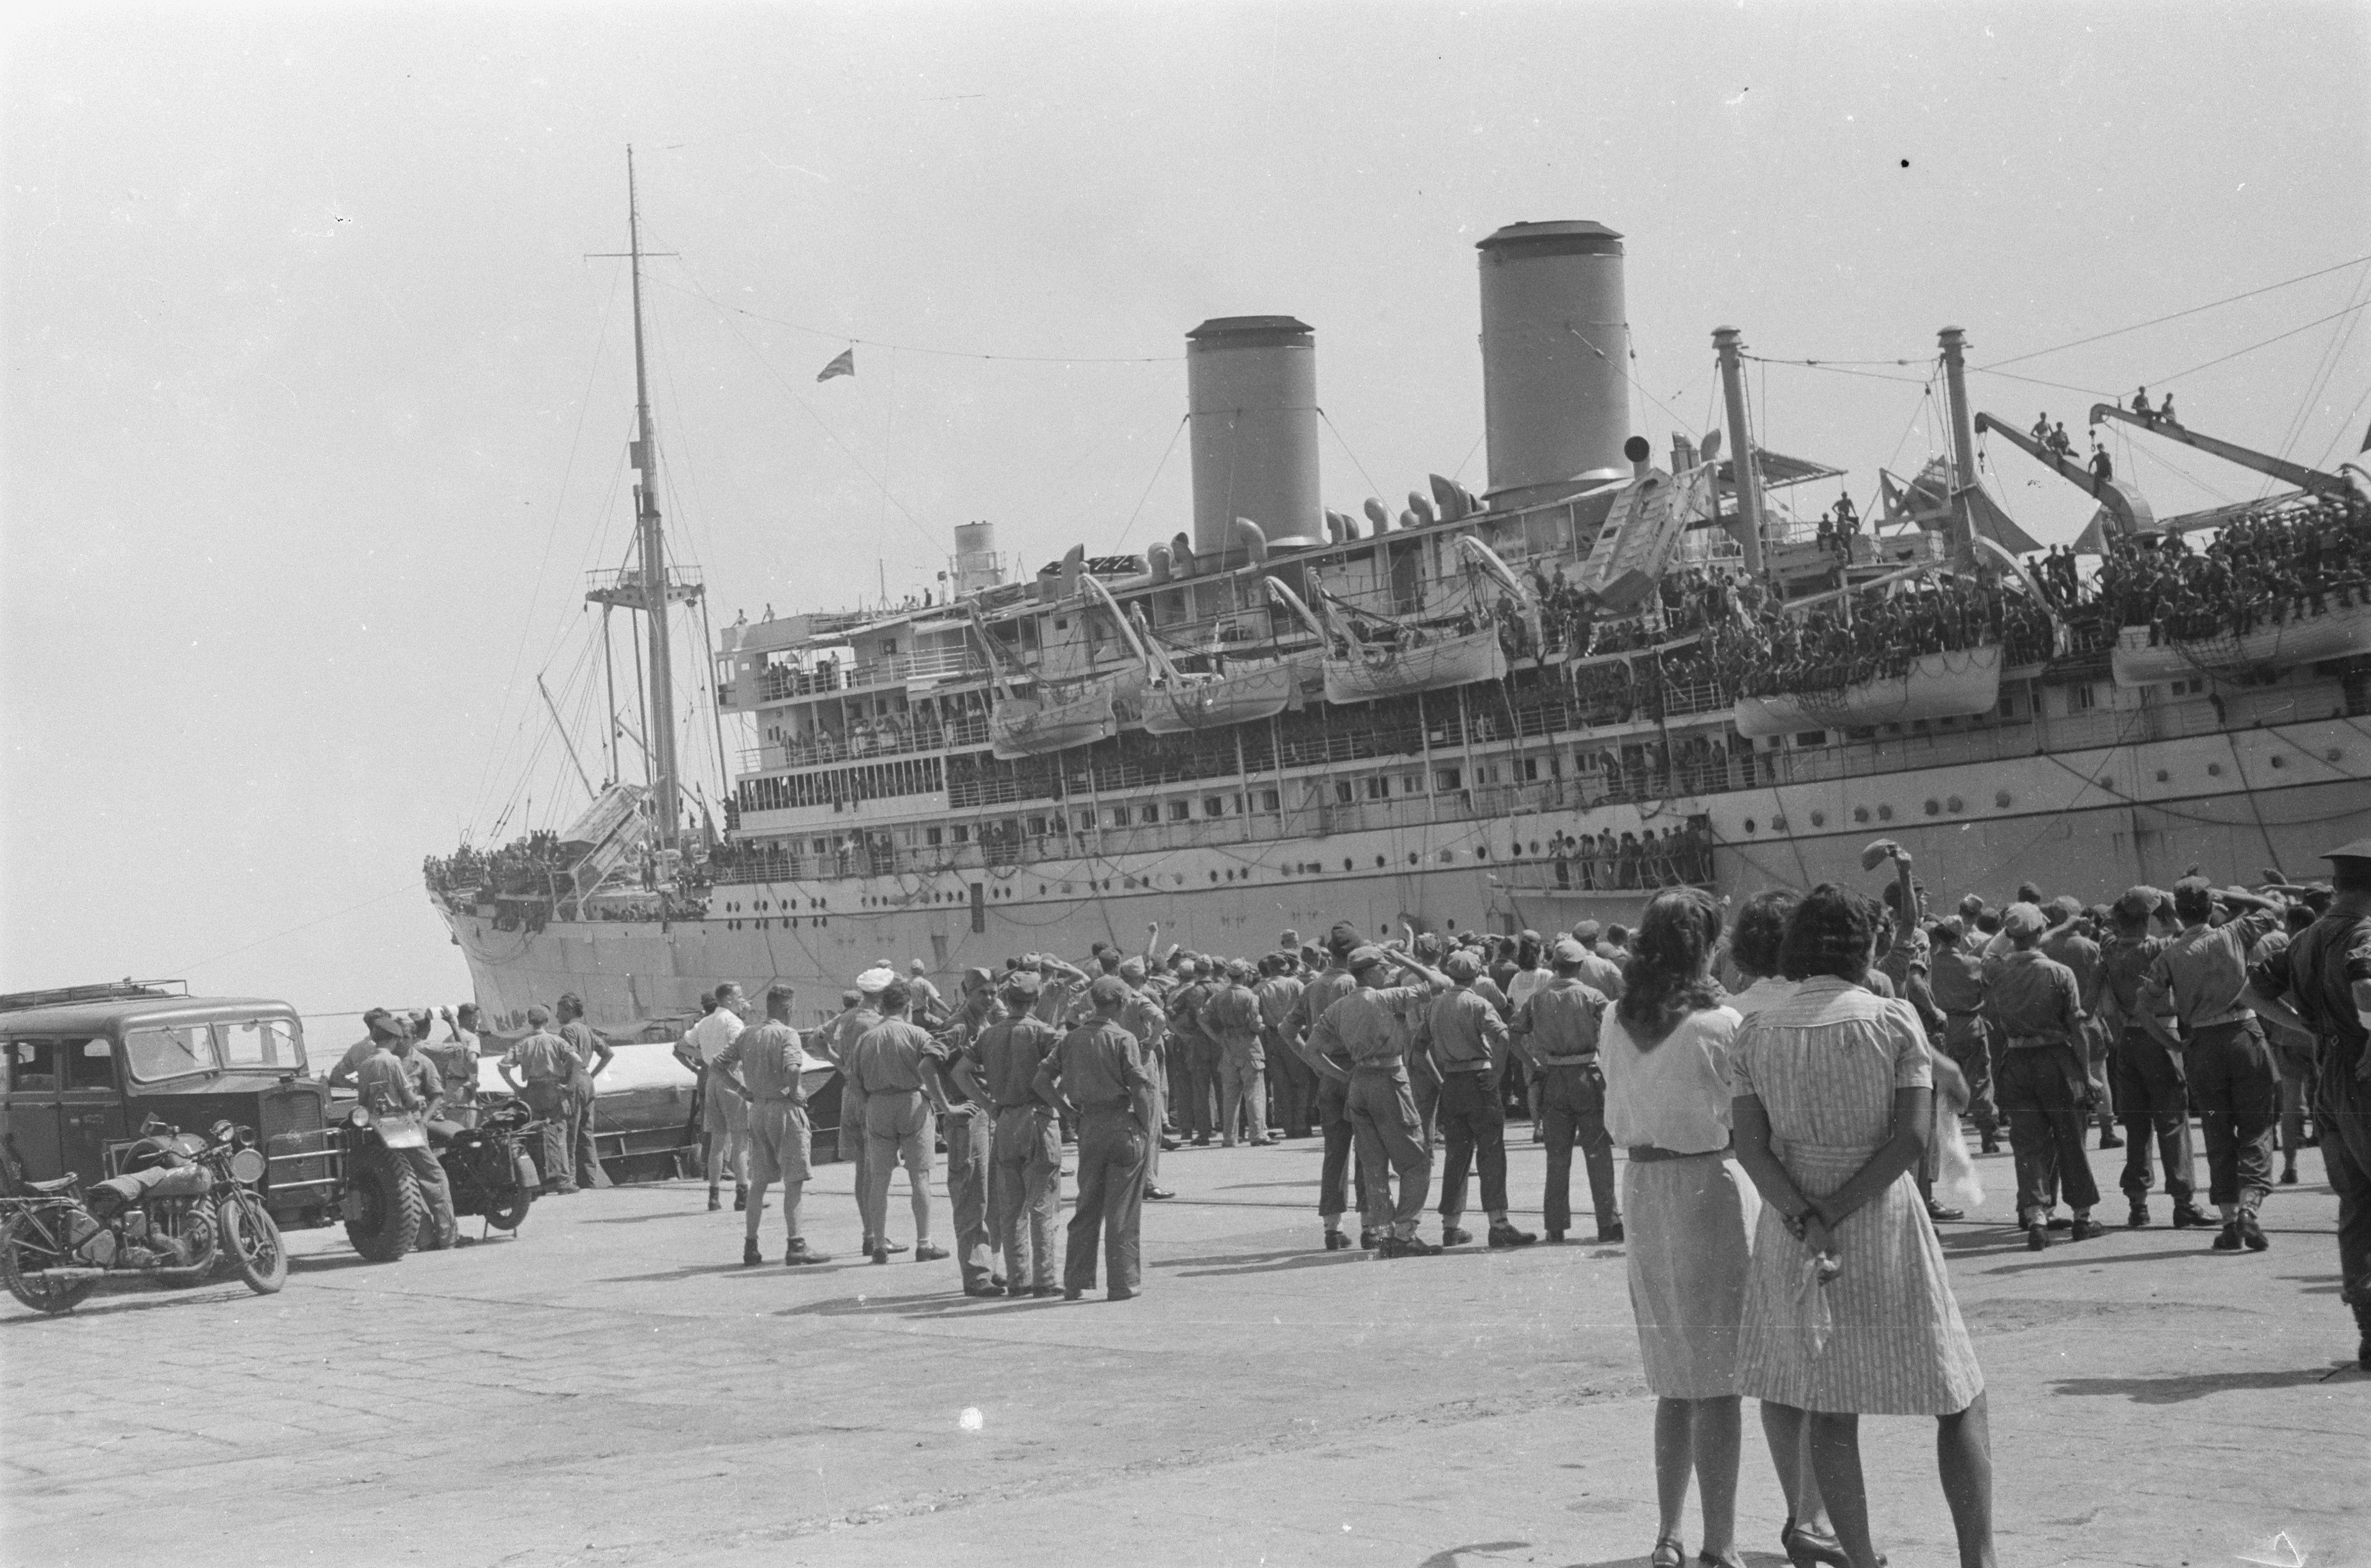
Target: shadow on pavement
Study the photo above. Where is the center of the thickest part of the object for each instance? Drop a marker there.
(662, 1214)
(2083, 1255)
(925, 1307)
(1261, 1263)
(1448, 1557)
(2316, 1285)
(143, 1295)
(325, 1263)
(2185, 1386)
(1751, 1559)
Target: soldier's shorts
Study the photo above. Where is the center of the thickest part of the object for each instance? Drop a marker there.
(721, 1110)
(900, 1125)
(778, 1142)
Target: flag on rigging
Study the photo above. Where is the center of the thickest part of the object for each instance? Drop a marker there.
(844, 364)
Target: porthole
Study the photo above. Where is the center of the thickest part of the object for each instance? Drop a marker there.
(2000, 797)
(1379, 862)
(2214, 770)
(1955, 804)
(1819, 819)
(1346, 862)
(2162, 776)
(2333, 754)
(1885, 813)
(1749, 824)
(1214, 876)
(2280, 762)
(1482, 852)
(1413, 858)
(1860, 814)
(1933, 808)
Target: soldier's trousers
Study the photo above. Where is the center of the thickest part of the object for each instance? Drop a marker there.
(1295, 1086)
(1202, 1058)
(1423, 1086)
(435, 1190)
(1026, 1192)
(1965, 1041)
(2237, 1092)
(2342, 1111)
(897, 1132)
(1390, 1142)
(1243, 1094)
(854, 1146)
(580, 1122)
(1572, 1104)
(1474, 1124)
(2046, 1122)
(1110, 1205)
(969, 1138)
(1156, 1068)
(555, 1108)
(1334, 1173)
(2153, 1103)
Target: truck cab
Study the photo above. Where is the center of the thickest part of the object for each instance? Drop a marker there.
(87, 1065)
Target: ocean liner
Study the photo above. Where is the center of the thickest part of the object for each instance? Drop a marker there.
(1518, 709)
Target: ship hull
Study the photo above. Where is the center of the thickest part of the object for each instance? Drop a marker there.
(2089, 822)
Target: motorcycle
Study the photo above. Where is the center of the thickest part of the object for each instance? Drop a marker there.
(487, 1166)
(486, 1170)
(180, 1207)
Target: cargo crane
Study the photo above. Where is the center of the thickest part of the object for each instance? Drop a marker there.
(2297, 474)
(2131, 511)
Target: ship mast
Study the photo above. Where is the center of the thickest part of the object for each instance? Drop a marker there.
(648, 586)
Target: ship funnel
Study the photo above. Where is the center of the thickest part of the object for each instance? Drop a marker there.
(1556, 337)
(975, 563)
(1251, 388)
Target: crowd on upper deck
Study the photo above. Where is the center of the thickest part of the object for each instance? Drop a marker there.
(2299, 558)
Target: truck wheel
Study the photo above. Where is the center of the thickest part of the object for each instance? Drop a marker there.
(24, 1249)
(509, 1210)
(251, 1242)
(389, 1209)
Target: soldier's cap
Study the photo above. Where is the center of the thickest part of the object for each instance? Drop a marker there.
(1023, 983)
(1429, 945)
(1289, 940)
(875, 981)
(917, 967)
(1107, 991)
(1344, 938)
(1363, 958)
(975, 975)
(1239, 971)
(1527, 934)
(536, 1015)
(2196, 887)
(2358, 850)
(2137, 902)
(1462, 966)
(2066, 906)
(1951, 926)
(2024, 920)
(1131, 969)
(1587, 931)
(1568, 950)
(380, 1018)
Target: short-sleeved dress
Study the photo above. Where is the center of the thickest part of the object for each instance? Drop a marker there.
(1690, 1218)
(1826, 1064)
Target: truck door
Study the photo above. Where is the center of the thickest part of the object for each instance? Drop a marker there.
(90, 1106)
(32, 1115)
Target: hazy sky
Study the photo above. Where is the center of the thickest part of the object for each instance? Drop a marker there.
(315, 411)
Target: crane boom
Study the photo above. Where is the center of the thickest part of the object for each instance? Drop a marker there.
(2281, 468)
(2122, 501)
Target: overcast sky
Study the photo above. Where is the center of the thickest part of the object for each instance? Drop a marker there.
(316, 408)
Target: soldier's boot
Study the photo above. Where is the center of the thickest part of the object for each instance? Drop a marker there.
(1503, 1235)
(1454, 1235)
(2139, 1218)
(750, 1253)
(2188, 1215)
(740, 1196)
(714, 1201)
(2362, 1322)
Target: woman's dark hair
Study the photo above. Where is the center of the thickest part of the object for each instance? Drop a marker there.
(1668, 975)
(1830, 935)
(1760, 930)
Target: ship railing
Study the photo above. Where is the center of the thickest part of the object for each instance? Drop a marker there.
(971, 730)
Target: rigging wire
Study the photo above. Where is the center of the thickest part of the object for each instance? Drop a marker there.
(1129, 526)
(943, 353)
(2325, 366)
(1372, 488)
(2176, 316)
(2267, 342)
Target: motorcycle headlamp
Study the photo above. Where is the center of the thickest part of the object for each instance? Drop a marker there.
(247, 1167)
(357, 1117)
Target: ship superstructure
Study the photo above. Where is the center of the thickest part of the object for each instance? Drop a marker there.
(1520, 707)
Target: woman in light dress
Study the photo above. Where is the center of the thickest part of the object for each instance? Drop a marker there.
(1848, 1311)
(1665, 1050)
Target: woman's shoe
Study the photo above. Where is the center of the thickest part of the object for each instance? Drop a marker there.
(1804, 1547)
(1668, 1553)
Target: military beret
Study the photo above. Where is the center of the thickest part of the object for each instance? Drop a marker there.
(2023, 920)
(1588, 931)
(1462, 966)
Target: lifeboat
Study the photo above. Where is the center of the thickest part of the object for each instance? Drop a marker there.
(1415, 662)
(1052, 721)
(2300, 639)
(1936, 686)
(1210, 702)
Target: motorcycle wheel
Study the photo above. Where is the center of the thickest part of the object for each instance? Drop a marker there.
(508, 1211)
(194, 1230)
(391, 1209)
(22, 1251)
(251, 1239)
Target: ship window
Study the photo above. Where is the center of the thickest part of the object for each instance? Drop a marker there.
(1812, 738)
(1037, 824)
(1343, 794)
(1148, 815)
(1270, 801)
(934, 836)
(1412, 784)
(1448, 779)
(962, 833)
(2080, 699)
(1213, 805)
(1181, 811)
(1377, 789)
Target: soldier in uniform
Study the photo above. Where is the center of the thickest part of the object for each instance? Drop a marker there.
(1956, 980)
(1363, 1042)
(2066, 942)
(1097, 1073)
(2320, 984)
(2202, 972)
(895, 1069)
(539, 1069)
(1230, 1019)
(592, 1053)
(1278, 991)
(967, 1128)
(1144, 1017)
(762, 1066)
(456, 1060)
(860, 1015)
(2037, 1004)
(724, 1115)
(1556, 1028)
(1193, 1051)
(2145, 1079)
(1332, 1108)
(1026, 1180)
(1469, 1047)
(396, 1080)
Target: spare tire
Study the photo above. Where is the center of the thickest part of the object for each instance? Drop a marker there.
(384, 1199)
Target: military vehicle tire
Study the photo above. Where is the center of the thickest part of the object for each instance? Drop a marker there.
(390, 1210)
(251, 1239)
(41, 1296)
(510, 1213)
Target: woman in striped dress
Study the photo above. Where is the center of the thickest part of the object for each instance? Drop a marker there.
(1665, 1050)
(1848, 1311)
